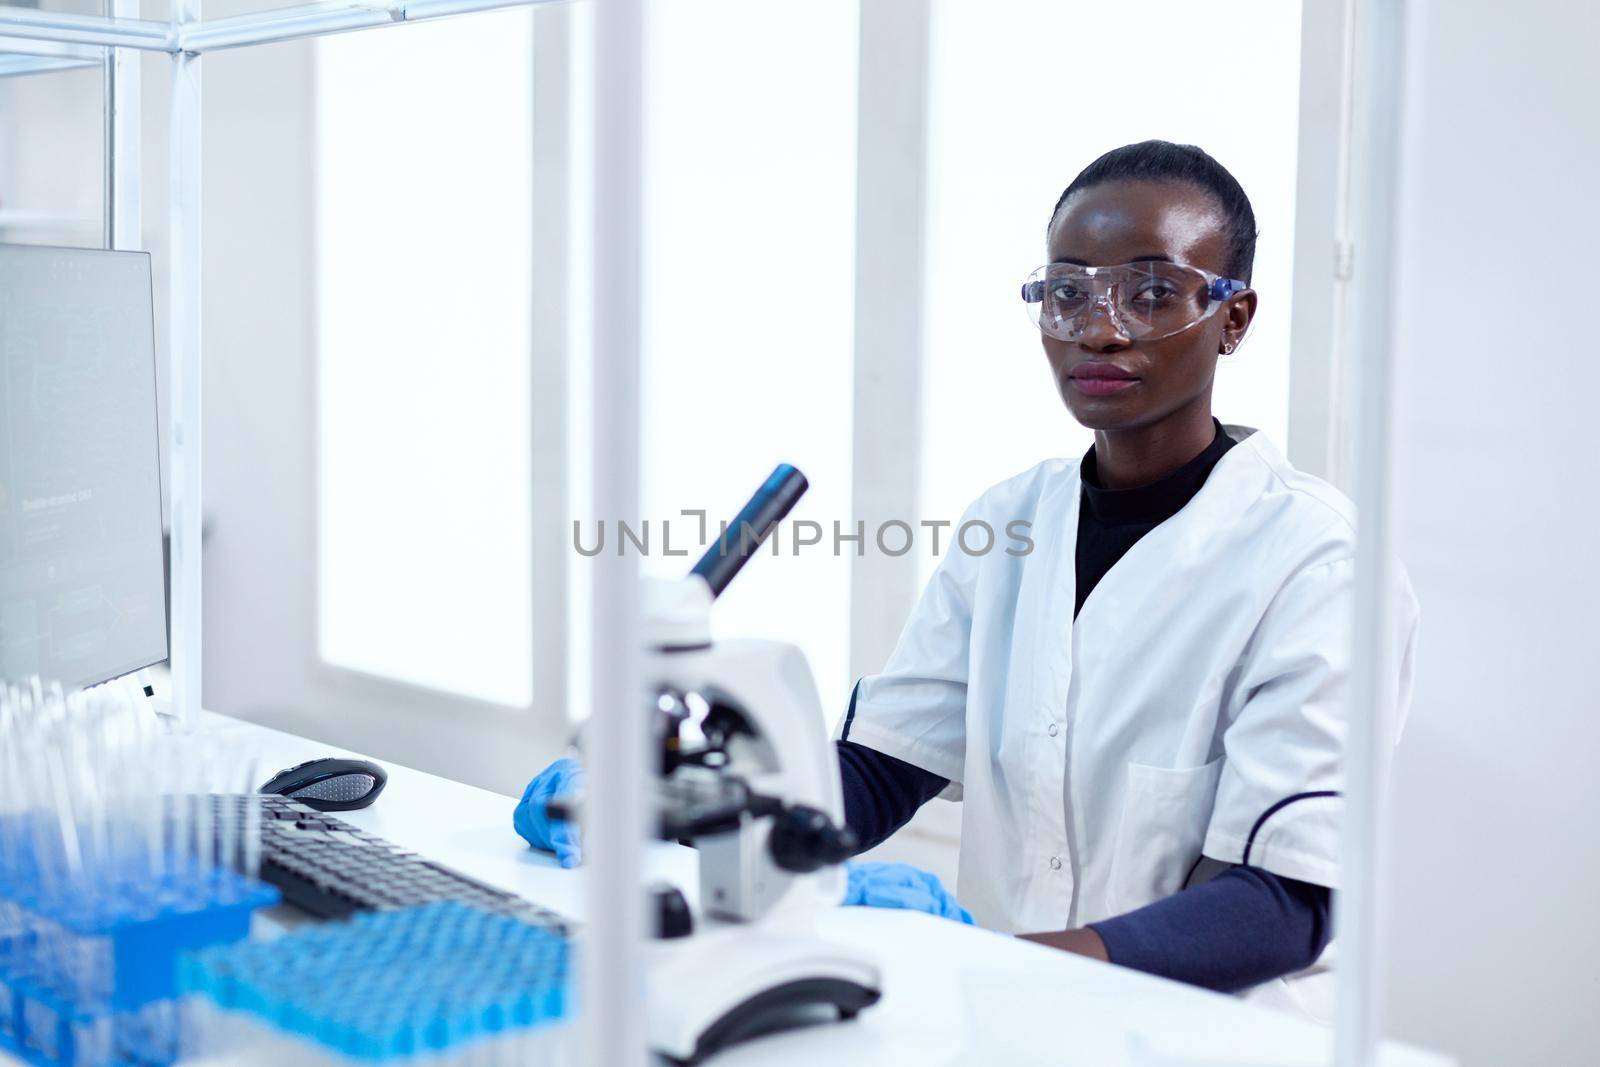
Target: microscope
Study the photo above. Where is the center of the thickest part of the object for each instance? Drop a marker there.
(749, 777)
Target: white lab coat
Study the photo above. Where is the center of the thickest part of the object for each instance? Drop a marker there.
(1204, 680)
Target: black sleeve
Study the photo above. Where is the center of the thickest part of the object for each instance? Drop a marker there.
(1243, 927)
(881, 793)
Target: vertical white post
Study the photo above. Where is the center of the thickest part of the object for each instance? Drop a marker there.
(108, 109)
(612, 1013)
(552, 99)
(1379, 103)
(891, 179)
(183, 378)
(1337, 430)
(127, 156)
(1321, 237)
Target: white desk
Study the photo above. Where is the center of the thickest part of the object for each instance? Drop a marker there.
(952, 994)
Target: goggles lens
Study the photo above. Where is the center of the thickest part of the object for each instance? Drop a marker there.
(1140, 301)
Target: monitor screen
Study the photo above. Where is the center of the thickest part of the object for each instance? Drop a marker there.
(82, 582)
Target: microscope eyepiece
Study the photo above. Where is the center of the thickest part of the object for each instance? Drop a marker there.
(749, 529)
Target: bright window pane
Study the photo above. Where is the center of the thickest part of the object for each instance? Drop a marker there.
(749, 260)
(423, 259)
(52, 164)
(1024, 94)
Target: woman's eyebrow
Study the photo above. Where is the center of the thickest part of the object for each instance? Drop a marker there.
(1069, 261)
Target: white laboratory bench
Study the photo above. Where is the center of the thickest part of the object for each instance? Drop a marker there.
(952, 995)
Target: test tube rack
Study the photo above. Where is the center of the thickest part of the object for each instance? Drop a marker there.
(89, 971)
(439, 983)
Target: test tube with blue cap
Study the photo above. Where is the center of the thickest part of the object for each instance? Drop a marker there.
(102, 880)
(443, 984)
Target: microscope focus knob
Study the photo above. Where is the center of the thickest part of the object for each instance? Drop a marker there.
(805, 840)
(672, 915)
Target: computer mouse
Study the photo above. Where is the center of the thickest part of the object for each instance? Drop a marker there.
(330, 783)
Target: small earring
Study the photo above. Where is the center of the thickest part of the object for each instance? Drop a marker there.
(1227, 349)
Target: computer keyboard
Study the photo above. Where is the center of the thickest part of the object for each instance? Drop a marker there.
(331, 869)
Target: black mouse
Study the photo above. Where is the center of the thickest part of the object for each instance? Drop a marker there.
(330, 783)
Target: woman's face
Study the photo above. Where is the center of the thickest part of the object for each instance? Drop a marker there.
(1121, 222)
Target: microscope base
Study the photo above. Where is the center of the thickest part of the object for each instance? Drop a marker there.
(726, 985)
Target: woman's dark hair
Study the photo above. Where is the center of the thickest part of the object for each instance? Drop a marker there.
(1163, 161)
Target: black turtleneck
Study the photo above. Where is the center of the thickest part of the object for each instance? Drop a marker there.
(1111, 521)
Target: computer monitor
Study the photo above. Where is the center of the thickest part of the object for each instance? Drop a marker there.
(82, 578)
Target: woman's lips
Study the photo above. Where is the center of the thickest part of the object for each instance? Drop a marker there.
(1101, 379)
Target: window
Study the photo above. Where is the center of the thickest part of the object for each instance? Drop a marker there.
(52, 163)
(750, 185)
(749, 329)
(423, 174)
(1022, 97)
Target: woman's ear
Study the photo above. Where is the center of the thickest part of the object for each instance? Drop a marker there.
(1236, 316)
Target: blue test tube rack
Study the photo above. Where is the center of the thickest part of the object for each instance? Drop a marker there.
(89, 970)
(436, 980)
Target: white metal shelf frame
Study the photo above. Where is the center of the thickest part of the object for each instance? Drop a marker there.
(33, 41)
(612, 1029)
(26, 55)
(197, 36)
(1382, 108)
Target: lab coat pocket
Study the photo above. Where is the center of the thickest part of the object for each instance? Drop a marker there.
(1165, 812)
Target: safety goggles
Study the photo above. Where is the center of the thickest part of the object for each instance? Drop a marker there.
(1144, 301)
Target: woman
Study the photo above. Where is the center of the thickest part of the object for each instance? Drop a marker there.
(1119, 708)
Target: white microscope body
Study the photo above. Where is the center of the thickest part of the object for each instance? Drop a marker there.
(750, 776)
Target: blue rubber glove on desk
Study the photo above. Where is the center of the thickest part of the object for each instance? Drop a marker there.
(532, 821)
(900, 885)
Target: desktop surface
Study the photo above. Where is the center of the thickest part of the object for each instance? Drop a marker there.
(953, 994)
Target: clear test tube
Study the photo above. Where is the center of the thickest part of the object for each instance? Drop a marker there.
(179, 822)
(135, 807)
(36, 696)
(43, 839)
(33, 837)
(250, 844)
(117, 739)
(157, 816)
(15, 845)
(69, 966)
(11, 853)
(247, 803)
(205, 840)
(89, 722)
(146, 818)
(237, 770)
(226, 805)
(61, 808)
(11, 807)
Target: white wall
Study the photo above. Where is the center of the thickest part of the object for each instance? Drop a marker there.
(1496, 814)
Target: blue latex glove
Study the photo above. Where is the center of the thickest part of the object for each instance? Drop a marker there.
(562, 778)
(900, 885)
